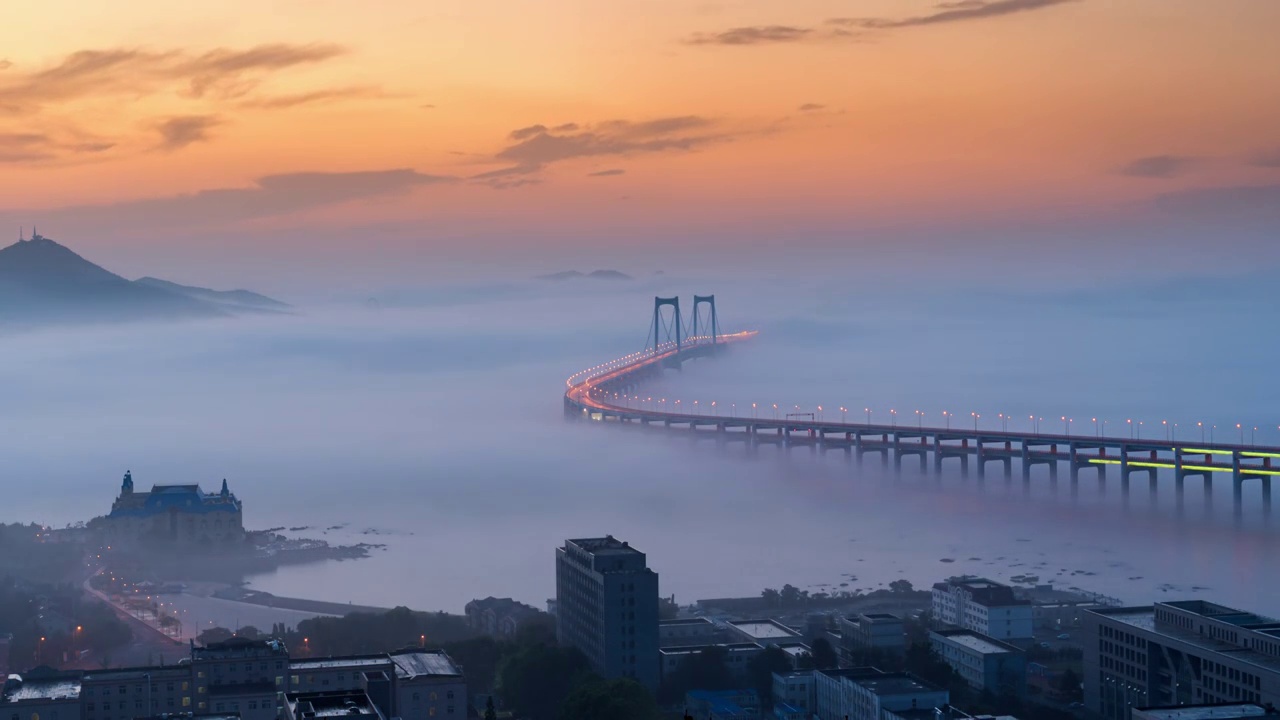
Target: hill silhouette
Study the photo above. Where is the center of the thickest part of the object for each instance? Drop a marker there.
(44, 282)
(577, 275)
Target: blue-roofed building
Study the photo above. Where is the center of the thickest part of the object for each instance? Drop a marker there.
(723, 704)
(175, 514)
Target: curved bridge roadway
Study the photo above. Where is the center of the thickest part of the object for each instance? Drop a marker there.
(604, 394)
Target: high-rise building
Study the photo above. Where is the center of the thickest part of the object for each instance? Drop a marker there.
(607, 607)
(1190, 652)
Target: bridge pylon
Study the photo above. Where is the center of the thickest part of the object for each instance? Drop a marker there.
(658, 303)
(715, 322)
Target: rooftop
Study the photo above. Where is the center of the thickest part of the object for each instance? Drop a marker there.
(418, 663)
(976, 641)
(607, 545)
(338, 703)
(136, 673)
(691, 649)
(192, 716)
(61, 687)
(1204, 712)
(686, 621)
(238, 647)
(764, 629)
(1221, 613)
(351, 661)
(1144, 618)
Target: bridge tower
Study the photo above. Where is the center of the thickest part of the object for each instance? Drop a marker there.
(658, 302)
(715, 322)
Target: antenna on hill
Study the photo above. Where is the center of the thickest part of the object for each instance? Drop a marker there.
(21, 234)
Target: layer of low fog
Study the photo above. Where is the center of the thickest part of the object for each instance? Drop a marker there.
(436, 420)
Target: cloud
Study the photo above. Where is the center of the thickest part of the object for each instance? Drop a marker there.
(221, 72)
(29, 147)
(536, 146)
(1269, 159)
(5, 64)
(951, 12)
(1158, 166)
(811, 107)
(752, 35)
(281, 102)
(1233, 204)
(179, 132)
(607, 173)
(268, 196)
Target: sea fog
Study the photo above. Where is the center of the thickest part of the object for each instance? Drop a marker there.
(433, 424)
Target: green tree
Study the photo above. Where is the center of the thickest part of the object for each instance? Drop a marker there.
(824, 656)
(761, 668)
(619, 699)
(536, 680)
(771, 597)
(901, 586)
(705, 670)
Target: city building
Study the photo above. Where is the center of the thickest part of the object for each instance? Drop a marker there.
(42, 694)
(795, 689)
(764, 632)
(5, 639)
(688, 631)
(349, 705)
(1190, 652)
(607, 607)
(722, 704)
(1220, 711)
(736, 657)
(869, 634)
(870, 693)
(500, 617)
(985, 607)
(428, 685)
(243, 679)
(985, 663)
(181, 514)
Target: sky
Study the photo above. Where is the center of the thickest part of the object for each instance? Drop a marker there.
(238, 140)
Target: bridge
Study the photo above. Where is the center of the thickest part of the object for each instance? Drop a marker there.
(613, 392)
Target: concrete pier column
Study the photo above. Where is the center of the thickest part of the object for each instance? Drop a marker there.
(1124, 472)
(1026, 463)
(1237, 485)
(1266, 494)
(981, 460)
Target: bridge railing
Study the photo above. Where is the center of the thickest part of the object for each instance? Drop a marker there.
(646, 355)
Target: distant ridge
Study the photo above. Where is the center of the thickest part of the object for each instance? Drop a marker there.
(43, 282)
(593, 275)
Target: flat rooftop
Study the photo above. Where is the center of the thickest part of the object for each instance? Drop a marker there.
(975, 641)
(1204, 712)
(423, 663)
(355, 662)
(45, 689)
(685, 621)
(138, 673)
(691, 649)
(1221, 613)
(764, 629)
(607, 545)
(1144, 618)
(331, 704)
(896, 684)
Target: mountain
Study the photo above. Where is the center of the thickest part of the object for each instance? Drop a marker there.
(232, 300)
(43, 282)
(593, 275)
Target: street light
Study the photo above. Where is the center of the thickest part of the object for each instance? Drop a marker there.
(1130, 421)
(1004, 422)
(1097, 430)
(975, 420)
(1167, 436)
(893, 418)
(844, 415)
(868, 415)
(919, 420)
(947, 415)
(1201, 426)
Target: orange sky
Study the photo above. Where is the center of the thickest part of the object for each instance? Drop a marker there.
(917, 113)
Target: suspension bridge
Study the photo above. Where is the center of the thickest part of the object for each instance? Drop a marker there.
(613, 392)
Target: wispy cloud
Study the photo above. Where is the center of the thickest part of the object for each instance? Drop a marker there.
(179, 132)
(752, 35)
(811, 107)
(607, 173)
(268, 196)
(221, 72)
(951, 12)
(1270, 159)
(31, 147)
(858, 28)
(536, 146)
(315, 97)
(1158, 166)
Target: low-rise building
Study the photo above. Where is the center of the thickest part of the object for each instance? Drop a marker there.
(763, 632)
(688, 631)
(127, 693)
(871, 633)
(983, 606)
(796, 689)
(428, 685)
(723, 704)
(500, 617)
(870, 693)
(330, 674)
(737, 655)
(985, 663)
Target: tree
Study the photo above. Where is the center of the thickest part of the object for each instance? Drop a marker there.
(706, 670)
(489, 712)
(824, 656)
(213, 635)
(1069, 684)
(771, 597)
(761, 668)
(249, 632)
(790, 595)
(536, 680)
(618, 699)
(901, 586)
